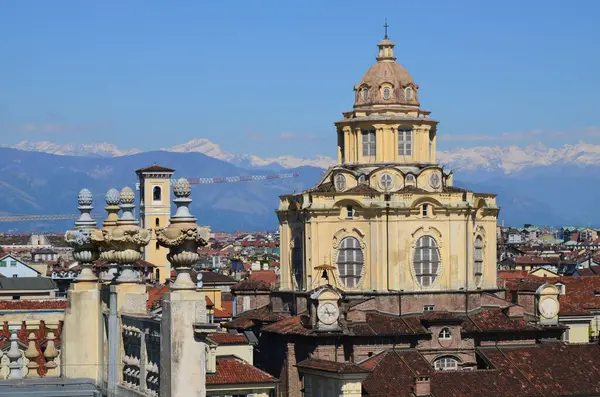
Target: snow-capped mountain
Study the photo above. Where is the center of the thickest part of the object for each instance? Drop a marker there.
(508, 160)
(211, 149)
(73, 149)
(514, 158)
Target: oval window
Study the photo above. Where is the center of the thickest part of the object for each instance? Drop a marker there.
(387, 93)
(340, 182)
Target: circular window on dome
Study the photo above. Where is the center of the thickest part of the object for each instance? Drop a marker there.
(386, 181)
(387, 93)
(340, 182)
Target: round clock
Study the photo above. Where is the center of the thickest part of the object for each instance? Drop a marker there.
(328, 313)
(434, 180)
(548, 308)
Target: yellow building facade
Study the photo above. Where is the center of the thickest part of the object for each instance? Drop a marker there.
(155, 211)
(388, 217)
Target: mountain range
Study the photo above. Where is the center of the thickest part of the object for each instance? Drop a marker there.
(535, 184)
(504, 159)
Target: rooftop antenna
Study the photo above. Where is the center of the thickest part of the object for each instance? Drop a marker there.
(385, 26)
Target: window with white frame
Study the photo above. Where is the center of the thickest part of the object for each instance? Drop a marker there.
(445, 334)
(369, 145)
(297, 265)
(478, 261)
(446, 363)
(350, 262)
(405, 138)
(426, 261)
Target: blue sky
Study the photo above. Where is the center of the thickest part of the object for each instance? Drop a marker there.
(270, 77)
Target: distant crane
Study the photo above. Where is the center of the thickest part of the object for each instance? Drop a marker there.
(7, 217)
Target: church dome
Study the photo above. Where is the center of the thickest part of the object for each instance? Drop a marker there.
(386, 82)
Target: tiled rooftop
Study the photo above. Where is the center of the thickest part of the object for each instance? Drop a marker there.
(232, 370)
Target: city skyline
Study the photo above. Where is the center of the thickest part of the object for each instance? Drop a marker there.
(246, 77)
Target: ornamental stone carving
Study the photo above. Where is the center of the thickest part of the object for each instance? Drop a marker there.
(113, 200)
(182, 237)
(85, 250)
(126, 239)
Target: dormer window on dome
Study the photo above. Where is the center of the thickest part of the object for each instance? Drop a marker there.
(408, 93)
(387, 93)
(364, 93)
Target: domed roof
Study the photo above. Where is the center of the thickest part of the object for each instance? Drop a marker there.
(386, 82)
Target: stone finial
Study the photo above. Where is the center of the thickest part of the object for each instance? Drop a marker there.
(182, 237)
(127, 198)
(85, 251)
(113, 199)
(85, 199)
(182, 190)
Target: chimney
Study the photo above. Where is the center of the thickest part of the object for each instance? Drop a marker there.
(422, 387)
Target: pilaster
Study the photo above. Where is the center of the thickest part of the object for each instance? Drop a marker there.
(182, 357)
(82, 333)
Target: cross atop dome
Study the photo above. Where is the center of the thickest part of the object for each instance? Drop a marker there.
(385, 26)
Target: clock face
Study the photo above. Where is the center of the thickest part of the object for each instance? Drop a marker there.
(328, 313)
(548, 308)
(434, 180)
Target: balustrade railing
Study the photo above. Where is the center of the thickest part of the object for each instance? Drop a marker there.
(141, 354)
(30, 349)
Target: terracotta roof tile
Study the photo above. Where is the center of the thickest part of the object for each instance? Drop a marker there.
(155, 168)
(221, 314)
(224, 338)
(34, 304)
(232, 370)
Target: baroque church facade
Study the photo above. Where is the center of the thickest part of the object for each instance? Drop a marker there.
(388, 283)
(388, 217)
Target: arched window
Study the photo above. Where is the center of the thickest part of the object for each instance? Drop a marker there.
(350, 261)
(365, 93)
(426, 261)
(445, 334)
(446, 363)
(478, 261)
(156, 193)
(297, 265)
(157, 222)
(408, 93)
(410, 180)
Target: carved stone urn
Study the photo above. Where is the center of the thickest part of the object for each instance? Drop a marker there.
(182, 237)
(125, 241)
(110, 223)
(85, 250)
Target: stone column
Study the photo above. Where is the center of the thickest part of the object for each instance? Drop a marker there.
(183, 356)
(81, 355)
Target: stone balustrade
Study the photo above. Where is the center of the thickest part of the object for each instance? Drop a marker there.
(141, 354)
(30, 349)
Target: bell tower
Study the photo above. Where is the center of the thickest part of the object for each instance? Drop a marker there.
(155, 211)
